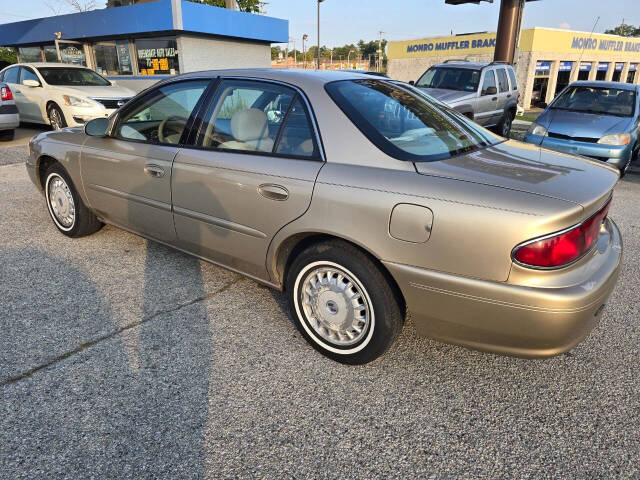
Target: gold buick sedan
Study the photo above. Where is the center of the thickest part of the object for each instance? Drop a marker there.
(360, 197)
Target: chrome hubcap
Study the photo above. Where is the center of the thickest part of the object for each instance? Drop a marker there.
(61, 202)
(56, 121)
(335, 305)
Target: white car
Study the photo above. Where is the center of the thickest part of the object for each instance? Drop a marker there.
(62, 95)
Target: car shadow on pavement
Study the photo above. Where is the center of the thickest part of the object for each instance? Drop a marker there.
(74, 404)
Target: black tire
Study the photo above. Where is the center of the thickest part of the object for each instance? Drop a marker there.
(7, 135)
(506, 122)
(56, 117)
(84, 221)
(382, 318)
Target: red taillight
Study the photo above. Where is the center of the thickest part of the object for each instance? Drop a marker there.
(562, 248)
(6, 93)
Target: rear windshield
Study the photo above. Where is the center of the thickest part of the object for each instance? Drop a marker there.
(450, 78)
(79, 77)
(405, 124)
(598, 100)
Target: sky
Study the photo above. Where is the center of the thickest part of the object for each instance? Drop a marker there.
(347, 21)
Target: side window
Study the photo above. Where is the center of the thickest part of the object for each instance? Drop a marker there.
(502, 80)
(28, 74)
(512, 77)
(297, 136)
(488, 82)
(246, 115)
(11, 75)
(161, 116)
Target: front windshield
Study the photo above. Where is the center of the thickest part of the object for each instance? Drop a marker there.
(598, 100)
(450, 78)
(407, 125)
(73, 77)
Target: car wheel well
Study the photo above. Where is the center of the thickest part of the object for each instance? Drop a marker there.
(42, 166)
(294, 245)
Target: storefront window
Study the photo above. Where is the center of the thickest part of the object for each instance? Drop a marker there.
(632, 72)
(113, 58)
(617, 72)
(72, 53)
(540, 83)
(564, 75)
(50, 53)
(603, 67)
(30, 54)
(585, 68)
(157, 56)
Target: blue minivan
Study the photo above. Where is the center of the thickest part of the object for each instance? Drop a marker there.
(600, 120)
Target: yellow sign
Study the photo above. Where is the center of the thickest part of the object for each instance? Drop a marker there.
(456, 46)
(549, 40)
(156, 64)
(164, 64)
(545, 40)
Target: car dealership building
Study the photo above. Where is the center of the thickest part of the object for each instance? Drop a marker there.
(141, 43)
(547, 59)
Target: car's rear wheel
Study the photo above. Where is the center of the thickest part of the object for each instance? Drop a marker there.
(69, 214)
(504, 127)
(56, 117)
(342, 303)
(7, 135)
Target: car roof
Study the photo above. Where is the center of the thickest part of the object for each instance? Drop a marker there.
(46, 64)
(293, 76)
(602, 84)
(469, 65)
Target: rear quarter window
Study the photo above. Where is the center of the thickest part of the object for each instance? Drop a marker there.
(512, 77)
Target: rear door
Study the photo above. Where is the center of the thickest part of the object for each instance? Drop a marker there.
(487, 112)
(127, 175)
(250, 170)
(504, 92)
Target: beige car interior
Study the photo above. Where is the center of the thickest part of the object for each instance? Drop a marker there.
(250, 131)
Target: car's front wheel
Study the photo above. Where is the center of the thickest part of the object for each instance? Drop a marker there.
(56, 117)
(342, 302)
(69, 214)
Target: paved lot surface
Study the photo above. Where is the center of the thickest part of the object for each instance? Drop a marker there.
(120, 358)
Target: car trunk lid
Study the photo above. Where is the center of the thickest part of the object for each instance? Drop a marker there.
(528, 168)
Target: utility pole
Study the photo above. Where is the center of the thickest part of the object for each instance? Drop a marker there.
(380, 50)
(304, 51)
(318, 53)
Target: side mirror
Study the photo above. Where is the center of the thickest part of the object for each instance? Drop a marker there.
(490, 91)
(31, 83)
(98, 127)
(411, 82)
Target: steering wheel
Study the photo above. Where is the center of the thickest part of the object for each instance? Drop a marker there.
(178, 123)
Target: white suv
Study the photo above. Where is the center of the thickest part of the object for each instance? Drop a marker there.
(62, 95)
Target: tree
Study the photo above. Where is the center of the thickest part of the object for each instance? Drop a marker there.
(250, 6)
(8, 55)
(275, 52)
(625, 30)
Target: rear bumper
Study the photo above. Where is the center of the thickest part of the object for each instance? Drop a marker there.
(527, 321)
(613, 155)
(9, 121)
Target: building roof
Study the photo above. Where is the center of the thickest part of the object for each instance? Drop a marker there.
(146, 19)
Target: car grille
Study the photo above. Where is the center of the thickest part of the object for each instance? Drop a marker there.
(577, 139)
(112, 103)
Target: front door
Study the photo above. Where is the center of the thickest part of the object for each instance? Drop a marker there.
(127, 175)
(31, 99)
(251, 170)
(487, 111)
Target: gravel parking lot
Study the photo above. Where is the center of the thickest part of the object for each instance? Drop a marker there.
(121, 358)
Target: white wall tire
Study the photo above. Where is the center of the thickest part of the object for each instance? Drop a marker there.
(342, 302)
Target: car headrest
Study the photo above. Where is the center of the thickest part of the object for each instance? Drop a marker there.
(250, 124)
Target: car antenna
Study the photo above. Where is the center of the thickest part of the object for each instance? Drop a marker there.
(585, 44)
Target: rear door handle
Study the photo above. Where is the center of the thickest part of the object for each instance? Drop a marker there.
(273, 192)
(154, 170)
(494, 99)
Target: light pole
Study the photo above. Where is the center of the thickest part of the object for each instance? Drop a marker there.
(304, 52)
(318, 64)
(348, 58)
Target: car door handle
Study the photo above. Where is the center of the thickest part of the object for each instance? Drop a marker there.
(273, 192)
(154, 170)
(494, 99)
(509, 96)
